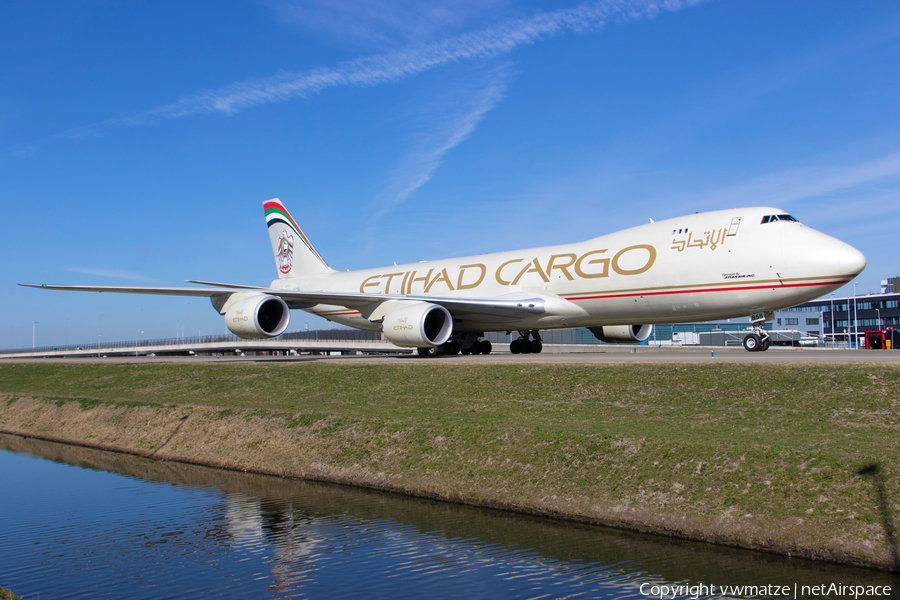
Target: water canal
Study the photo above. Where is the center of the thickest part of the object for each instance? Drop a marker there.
(82, 523)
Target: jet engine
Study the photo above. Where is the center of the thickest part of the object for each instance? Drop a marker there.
(418, 325)
(257, 316)
(622, 334)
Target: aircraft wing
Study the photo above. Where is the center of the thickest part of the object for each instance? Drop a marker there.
(237, 286)
(499, 308)
(158, 291)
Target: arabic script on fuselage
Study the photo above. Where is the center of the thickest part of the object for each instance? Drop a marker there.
(708, 239)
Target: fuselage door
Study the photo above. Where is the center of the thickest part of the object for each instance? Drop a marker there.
(735, 223)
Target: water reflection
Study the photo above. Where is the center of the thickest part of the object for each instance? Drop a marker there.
(126, 527)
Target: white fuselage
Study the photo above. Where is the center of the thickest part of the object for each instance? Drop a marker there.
(714, 265)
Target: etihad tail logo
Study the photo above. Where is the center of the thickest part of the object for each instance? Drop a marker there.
(285, 254)
(277, 214)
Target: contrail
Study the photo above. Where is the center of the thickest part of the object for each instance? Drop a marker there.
(395, 66)
(421, 165)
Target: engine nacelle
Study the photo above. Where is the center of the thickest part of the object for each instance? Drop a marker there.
(418, 325)
(622, 334)
(257, 316)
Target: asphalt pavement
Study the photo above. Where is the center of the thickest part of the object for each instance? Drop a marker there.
(615, 355)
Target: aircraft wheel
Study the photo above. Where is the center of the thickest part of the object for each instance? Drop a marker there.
(422, 351)
(536, 346)
(434, 351)
(764, 345)
(752, 343)
(525, 347)
(476, 348)
(454, 348)
(515, 346)
(486, 347)
(465, 350)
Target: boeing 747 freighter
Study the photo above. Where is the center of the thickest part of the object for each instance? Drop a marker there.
(713, 265)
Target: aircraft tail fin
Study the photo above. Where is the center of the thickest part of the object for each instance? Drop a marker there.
(295, 255)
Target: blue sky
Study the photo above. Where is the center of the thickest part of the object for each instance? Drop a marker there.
(138, 139)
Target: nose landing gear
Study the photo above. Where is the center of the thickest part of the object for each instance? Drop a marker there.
(757, 341)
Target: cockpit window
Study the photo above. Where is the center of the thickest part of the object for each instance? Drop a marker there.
(773, 218)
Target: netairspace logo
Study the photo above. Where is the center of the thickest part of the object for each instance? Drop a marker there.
(695, 592)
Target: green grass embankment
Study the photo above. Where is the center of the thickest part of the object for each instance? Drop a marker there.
(764, 456)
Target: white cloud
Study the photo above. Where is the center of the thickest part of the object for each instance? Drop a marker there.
(787, 187)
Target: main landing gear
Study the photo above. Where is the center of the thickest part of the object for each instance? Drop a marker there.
(523, 345)
(466, 345)
(758, 341)
(529, 342)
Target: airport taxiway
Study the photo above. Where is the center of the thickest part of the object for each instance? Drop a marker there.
(639, 355)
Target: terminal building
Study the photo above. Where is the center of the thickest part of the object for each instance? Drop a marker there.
(789, 328)
(858, 319)
(869, 321)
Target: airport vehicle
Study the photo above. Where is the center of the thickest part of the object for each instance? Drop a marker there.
(713, 265)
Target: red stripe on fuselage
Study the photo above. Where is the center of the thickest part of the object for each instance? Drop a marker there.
(703, 290)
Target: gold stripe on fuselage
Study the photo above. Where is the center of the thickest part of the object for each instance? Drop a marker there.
(741, 282)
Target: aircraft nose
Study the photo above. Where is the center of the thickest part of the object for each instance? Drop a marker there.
(850, 260)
